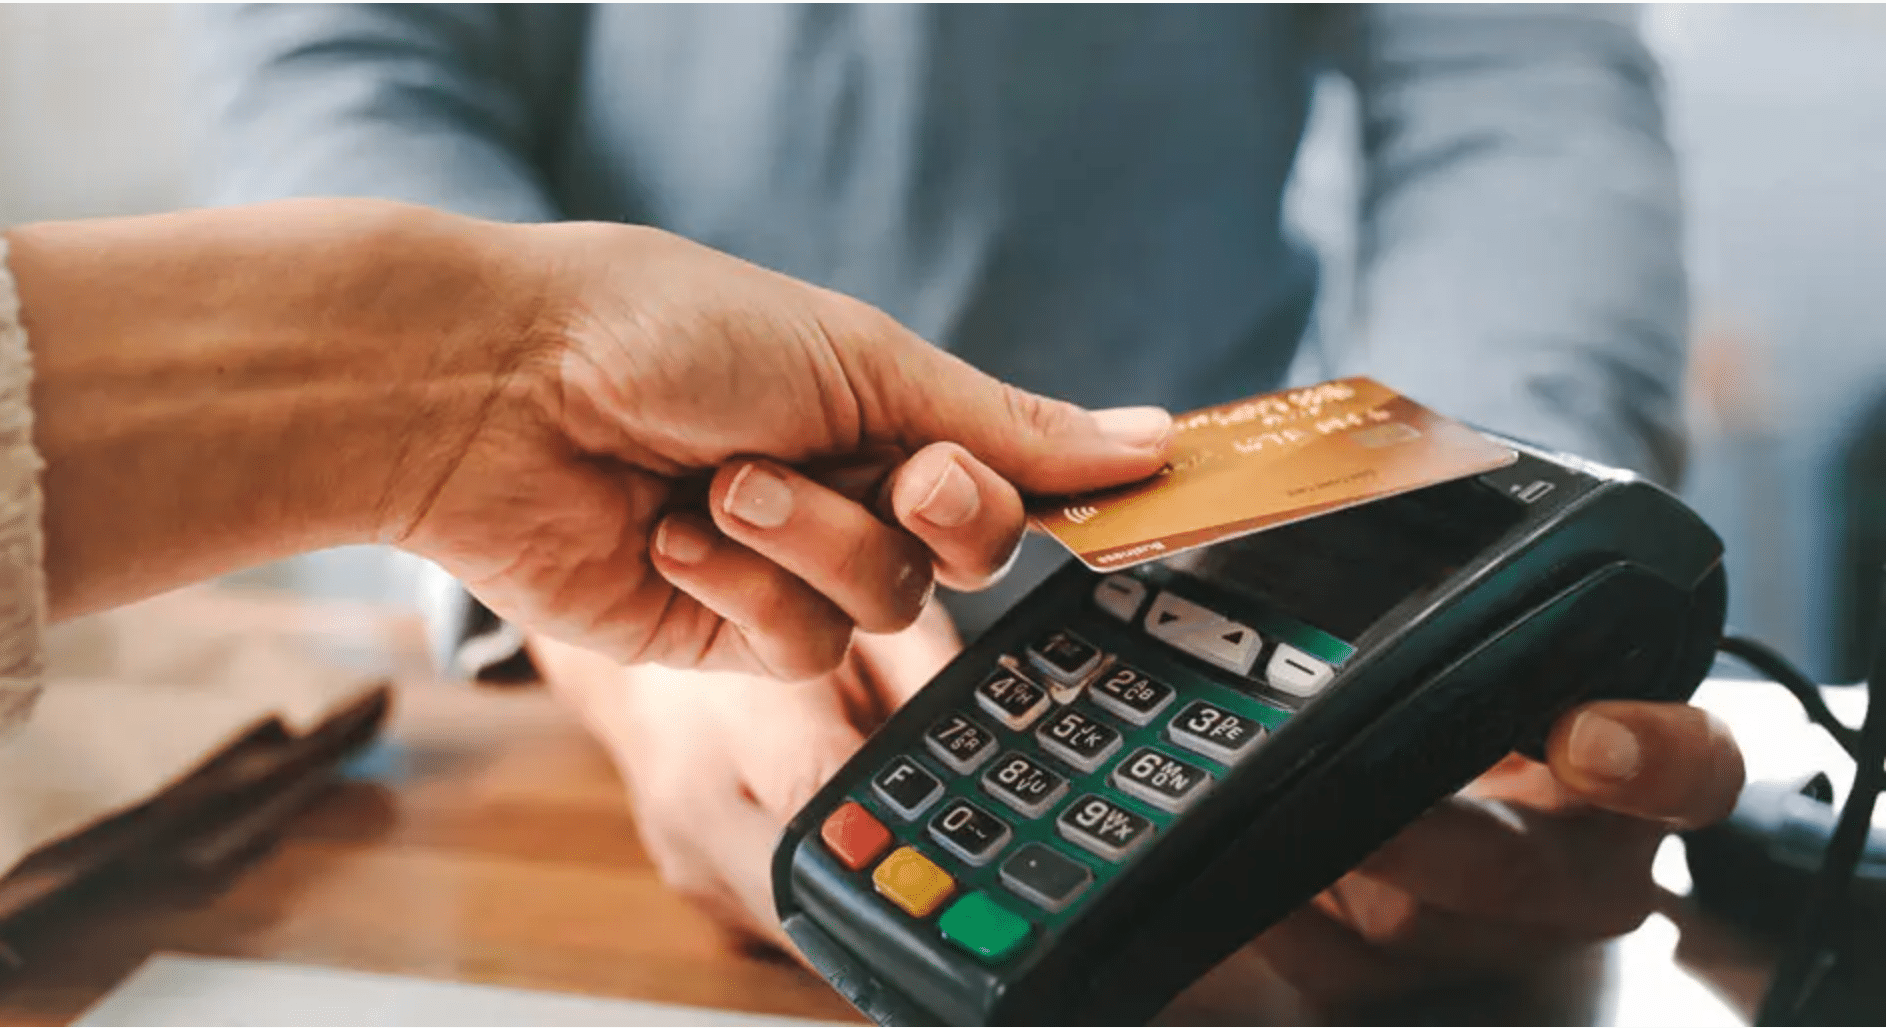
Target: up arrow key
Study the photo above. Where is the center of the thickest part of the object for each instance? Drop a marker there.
(1234, 650)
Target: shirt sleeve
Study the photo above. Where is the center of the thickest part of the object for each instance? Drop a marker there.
(454, 106)
(1519, 257)
(22, 540)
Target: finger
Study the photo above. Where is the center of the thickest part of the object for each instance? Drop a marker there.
(781, 625)
(1586, 873)
(1666, 762)
(970, 518)
(878, 575)
(917, 394)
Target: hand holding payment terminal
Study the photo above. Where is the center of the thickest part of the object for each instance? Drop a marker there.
(1134, 773)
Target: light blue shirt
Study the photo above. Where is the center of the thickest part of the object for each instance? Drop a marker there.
(1085, 201)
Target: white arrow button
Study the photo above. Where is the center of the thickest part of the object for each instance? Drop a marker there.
(1204, 633)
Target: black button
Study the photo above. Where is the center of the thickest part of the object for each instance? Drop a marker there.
(1011, 698)
(1165, 782)
(1214, 731)
(1078, 739)
(969, 831)
(1103, 827)
(1045, 878)
(960, 743)
(1132, 694)
(1065, 656)
(1024, 783)
(906, 788)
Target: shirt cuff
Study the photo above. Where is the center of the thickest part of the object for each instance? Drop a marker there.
(468, 641)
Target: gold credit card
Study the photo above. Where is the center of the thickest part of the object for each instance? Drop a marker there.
(1254, 464)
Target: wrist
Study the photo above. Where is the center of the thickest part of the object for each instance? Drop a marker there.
(438, 320)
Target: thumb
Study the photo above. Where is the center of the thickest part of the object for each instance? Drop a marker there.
(917, 394)
(1665, 762)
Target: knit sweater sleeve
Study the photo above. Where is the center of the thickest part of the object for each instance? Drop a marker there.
(22, 540)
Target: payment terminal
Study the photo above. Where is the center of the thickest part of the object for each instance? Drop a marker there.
(1132, 774)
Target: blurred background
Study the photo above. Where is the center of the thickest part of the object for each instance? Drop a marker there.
(1778, 112)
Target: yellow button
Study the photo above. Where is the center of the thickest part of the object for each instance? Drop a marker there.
(910, 880)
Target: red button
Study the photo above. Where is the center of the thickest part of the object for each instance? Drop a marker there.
(854, 836)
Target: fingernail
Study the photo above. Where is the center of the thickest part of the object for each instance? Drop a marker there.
(682, 541)
(759, 497)
(953, 500)
(1603, 747)
(1138, 428)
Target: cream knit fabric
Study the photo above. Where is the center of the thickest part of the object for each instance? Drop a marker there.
(22, 542)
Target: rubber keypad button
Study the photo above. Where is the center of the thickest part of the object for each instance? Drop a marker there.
(984, 927)
(854, 836)
(913, 882)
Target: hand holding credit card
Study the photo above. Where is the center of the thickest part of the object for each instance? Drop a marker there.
(1253, 464)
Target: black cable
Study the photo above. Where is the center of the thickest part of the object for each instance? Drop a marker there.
(1821, 938)
(1765, 660)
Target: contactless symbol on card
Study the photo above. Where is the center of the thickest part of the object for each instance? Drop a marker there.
(1254, 464)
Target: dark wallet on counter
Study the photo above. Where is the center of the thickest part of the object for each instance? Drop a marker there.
(227, 810)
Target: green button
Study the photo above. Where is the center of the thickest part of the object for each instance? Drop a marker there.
(983, 927)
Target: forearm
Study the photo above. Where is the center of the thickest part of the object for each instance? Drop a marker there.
(220, 388)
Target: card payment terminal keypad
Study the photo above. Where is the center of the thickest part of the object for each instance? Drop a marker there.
(1066, 760)
(1082, 740)
(906, 787)
(1214, 731)
(1064, 657)
(1027, 785)
(969, 831)
(1012, 698)
(1130, 694)
(961, 744)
